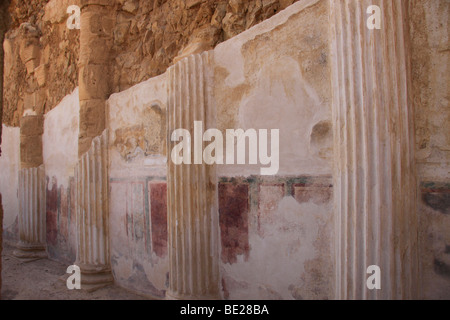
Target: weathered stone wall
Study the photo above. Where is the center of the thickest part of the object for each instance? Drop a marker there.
(41, 56)
(150, 35)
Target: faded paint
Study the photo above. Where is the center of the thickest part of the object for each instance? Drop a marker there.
(61, 221)
(135, 264)
(289, 248)
(277, 264)
(137, 170)
(158, 209)
(233, 220)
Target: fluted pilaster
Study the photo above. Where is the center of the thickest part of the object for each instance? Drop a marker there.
(92, 215)
(375, 181)
(192, 200)
(32, 214)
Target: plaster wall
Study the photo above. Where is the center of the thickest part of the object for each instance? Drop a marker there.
(137, 177)
(60, 153)
(9, 186)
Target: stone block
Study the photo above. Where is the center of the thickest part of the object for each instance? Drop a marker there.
(41, 75)
(29, 51)
(31, 151)
(31, 65)
(92, 118)
(93, 82)
(32, 126)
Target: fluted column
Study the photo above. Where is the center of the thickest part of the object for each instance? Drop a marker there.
(32, 216)
(375, 180)
(32, 190)
(91, 178)
(192, 200)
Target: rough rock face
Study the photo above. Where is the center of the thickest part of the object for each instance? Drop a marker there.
(41, 57)
(42, 54)
(149, 35)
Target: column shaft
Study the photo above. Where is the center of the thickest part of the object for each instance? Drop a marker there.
(192, 199)
(375, 179)
(91, 177)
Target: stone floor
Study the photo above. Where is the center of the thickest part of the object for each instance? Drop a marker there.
(41, 280)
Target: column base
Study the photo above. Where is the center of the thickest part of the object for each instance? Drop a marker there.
(94, 277)
(30, 252)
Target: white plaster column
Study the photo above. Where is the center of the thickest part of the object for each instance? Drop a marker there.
(91, 177)
(374, 179)
(192, 189)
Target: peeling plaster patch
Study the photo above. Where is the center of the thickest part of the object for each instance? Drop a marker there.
(139, 280)
(144, 139)
(321, 143)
